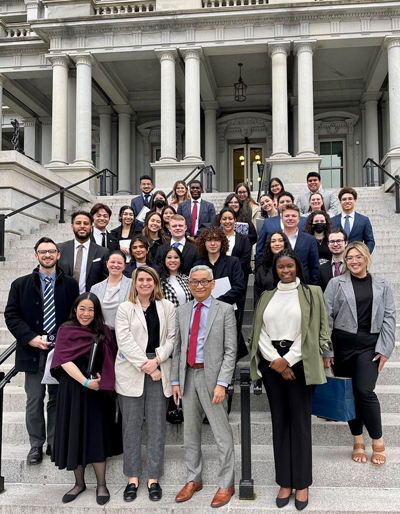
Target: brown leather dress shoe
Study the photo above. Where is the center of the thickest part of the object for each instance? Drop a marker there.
(222, 496)
(188, 491)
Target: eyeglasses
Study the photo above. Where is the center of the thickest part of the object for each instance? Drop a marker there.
(204, 282)
(242, 193)
(357, 258)
(336, 242)
(43, 252)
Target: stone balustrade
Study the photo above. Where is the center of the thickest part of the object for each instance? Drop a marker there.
(124, 7)
(232, 3)
(18, 31)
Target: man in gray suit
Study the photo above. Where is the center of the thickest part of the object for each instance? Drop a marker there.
(314, 186)
(202, 367)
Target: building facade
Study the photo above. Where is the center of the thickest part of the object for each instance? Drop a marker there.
(148, 87)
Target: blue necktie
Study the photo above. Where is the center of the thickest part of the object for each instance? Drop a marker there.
(49, 310)
(347, 226)
(176, 245)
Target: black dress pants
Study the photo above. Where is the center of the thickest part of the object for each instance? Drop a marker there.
(290, 403)
(353, 359)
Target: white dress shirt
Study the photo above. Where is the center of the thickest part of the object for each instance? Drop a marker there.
(351, 220)
(293, 239)
(181, 242)
(98, 237)
(231, 241)
(82, 278)
(196, 228)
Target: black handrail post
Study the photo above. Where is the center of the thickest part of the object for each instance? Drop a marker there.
(246, 485)
(397, 194)
(2, 237)
(62, 206)
(1, 431)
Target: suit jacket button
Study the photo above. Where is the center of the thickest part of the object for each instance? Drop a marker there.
(37, 322)
(34, 359)
(37, 303)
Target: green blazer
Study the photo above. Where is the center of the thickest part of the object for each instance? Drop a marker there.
(315, 337)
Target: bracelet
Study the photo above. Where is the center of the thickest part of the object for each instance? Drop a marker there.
(86, 383)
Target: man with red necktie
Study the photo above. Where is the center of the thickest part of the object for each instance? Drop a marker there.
(337, 242)
(202, 367)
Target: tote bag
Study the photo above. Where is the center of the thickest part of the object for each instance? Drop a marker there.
(334, 400)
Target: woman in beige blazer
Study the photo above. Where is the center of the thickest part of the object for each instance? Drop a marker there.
(145, 330)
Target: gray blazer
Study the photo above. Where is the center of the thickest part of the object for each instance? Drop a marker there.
(331, 202)
(342, 310)
(220, 345)
(100, 289)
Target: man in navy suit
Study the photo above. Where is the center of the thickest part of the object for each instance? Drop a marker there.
(197, 212)
(144, 200)
(275, 224)
(356, 226)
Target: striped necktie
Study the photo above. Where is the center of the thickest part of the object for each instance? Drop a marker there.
(49, 309)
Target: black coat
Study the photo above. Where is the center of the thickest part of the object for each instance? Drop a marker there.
(96, 269)
(189, 255)
(24, 313)
(112, 242)
(242, 250)
(263, 281)
(325, 274)
(135, 230)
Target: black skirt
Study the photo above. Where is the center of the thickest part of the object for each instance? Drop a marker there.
(86, 430)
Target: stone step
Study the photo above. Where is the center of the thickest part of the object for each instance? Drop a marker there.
(337, 433)
(24, 499)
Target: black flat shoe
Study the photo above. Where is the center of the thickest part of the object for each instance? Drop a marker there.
(257, 389)
(67, 498)
(102, 500)
(48, 450)
(130, 492)
(155, 492)
(35, 456)
(282, 502)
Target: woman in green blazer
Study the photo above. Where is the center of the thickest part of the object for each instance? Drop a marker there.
(290, 331)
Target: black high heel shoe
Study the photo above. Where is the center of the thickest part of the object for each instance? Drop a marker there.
(282, 502)
(300, 505)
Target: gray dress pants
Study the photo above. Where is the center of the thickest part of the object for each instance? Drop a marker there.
(34, 416)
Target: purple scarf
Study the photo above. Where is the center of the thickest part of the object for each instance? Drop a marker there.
(74, 342)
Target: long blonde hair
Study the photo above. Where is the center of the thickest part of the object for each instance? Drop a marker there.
(157, 292)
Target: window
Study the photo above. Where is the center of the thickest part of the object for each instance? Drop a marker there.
(332, 165)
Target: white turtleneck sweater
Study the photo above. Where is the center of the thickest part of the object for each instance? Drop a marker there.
(282, 320)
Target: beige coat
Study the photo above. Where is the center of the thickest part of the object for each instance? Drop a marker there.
(132, 337)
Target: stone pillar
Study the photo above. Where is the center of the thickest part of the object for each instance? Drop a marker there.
(46, 140)
(393, 48)
(31, 138)
(295, 111)
(385, 122)
(167, 59)
(279, 53)
(371, 143)
(192, 58)
(210, 114)
(59, 133)
(83, 156)
(71, 116)
(133, 170)
(2, 81)
(305, 92)
(124, 155)
(105, 113)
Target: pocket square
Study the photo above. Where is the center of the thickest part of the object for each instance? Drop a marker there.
(97, 260)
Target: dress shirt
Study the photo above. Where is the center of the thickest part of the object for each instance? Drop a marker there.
(97, 234)
(82, 278)
(293, 239)
(231, 241)
(351, 220)
(42, 280)
(196, 228)
(181, 241)
(333, 266)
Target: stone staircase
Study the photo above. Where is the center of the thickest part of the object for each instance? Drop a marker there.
(340, 486)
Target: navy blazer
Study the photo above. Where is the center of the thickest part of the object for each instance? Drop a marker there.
(137, 203)
(361, 231)
(206, 215)
(270, 226)
(307, 251)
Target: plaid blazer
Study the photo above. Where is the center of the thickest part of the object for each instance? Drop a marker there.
(170, 293)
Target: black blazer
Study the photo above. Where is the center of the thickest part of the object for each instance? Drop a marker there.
(205, 216)
(135, 230)
(325, 274)
(112, 242)
(96, 269)
(189, 254)
(228, 267)
(262, 282)
(242, 250)
(24, 313)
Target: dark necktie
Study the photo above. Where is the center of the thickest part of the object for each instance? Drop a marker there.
(49, 310)
(347, 225)
(337, 269)
(194, 219)
(146, 200)
(194, 334)
(103, 242)
(78, 263)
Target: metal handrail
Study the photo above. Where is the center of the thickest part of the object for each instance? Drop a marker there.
(102, 175)
(201, 168)
(369, 166)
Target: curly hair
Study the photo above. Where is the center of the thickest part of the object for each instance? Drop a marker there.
(310, 220)
(208, 234)
(163, 271)
(268, 256)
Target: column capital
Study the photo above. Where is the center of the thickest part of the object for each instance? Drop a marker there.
(306, 45)
(167, 54)
(105, 109)
(371, 96)
(46, 120)
(84, 58)
(194, 52)
(124, 109)
(281, 47)
(59, 60)
(391, 42)
(3, 79)
(30, 122)
(210, 106)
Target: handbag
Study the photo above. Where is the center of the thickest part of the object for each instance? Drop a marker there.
(48, 379)
(334, 400)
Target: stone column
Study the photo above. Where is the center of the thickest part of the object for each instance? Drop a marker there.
(393, 48)
(305, 92)
(71, 116)
(133, 170)
(124, 155)
(59, 132)
(279, 53)
(370, 100)
(31, 138)
(295, 112)
(385, 122)
(2, 81)
(46, 140)
(83, 156)
(167, 59)
(210, 114)
(105, 113)
(192, 58)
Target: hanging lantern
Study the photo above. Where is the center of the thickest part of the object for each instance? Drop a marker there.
(240, 87)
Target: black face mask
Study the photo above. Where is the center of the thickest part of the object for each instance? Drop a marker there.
(319, 228)
(160, 204)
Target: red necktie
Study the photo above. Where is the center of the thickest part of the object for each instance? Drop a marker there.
(194, 333)
(337, 269)
(194, 219)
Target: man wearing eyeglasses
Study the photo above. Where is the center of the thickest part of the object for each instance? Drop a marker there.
(202, 367)
(37, 305)
(337, 242)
